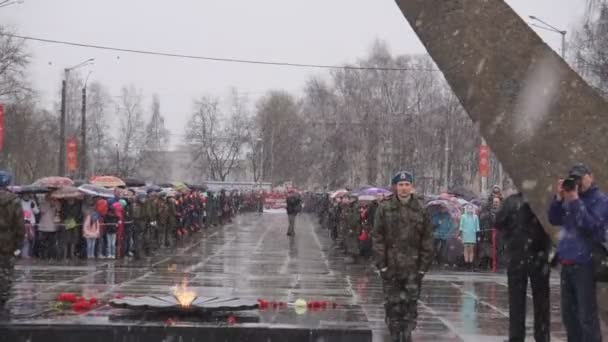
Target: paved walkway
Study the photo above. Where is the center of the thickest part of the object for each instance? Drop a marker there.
(252, 258)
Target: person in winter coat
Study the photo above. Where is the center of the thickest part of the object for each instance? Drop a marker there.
(442, 227)
(582, 214)
(71, 217)
(111, 222)
(91, 230)
(30, 211)
(528, 248)
(47, 228)
(294, 207)
(469, 227)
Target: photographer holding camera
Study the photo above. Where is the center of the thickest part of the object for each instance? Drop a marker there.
(581, 209)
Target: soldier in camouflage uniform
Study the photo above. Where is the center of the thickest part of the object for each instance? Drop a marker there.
(351, 229)
(171, 222)
(403, 251)
(12, 230)
(151, 236)
(333, 218)
(163, 219)
(140, 222)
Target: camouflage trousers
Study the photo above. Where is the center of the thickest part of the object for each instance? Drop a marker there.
(351, 242)
(7, 266)
(401, 305)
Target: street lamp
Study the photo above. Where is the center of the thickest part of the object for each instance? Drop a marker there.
(261, 142)
(7, 3)
(83, 130)
(551, 28)
(61, 171)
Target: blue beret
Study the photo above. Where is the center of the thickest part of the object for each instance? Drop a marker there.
(402, 176)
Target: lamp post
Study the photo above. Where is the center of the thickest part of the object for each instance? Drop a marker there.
(549, 27)
(83, 130)
(61, 169)
(7, 3)
(261, 142)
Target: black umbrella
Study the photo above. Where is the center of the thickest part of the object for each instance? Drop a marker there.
(134, 182)
(152, 188)
(165, 185)
(31, 189)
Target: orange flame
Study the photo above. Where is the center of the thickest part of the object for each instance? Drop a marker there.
(183, 294)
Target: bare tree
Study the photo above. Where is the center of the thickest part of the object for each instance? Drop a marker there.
(13, 61)
(132, 131)
(215, 144)
(154, 159)
(590, 44)
(101, 145)
(30, 141)
(281, 131)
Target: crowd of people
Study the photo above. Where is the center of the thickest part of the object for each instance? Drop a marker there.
(134, 223)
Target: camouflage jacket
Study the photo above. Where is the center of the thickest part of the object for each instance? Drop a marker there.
(403, 237)
(140, 215)
(12, 227)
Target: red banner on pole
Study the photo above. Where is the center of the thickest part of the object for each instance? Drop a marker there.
(1, 126)
(484, 160)
(72, 154)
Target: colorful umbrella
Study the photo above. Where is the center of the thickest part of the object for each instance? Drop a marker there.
(179, 186)
(134, 182)
(95, 190)
(67, 192)
(338, 193)
(375, 192)
(367, 198)
(107, 181)
(54, 182)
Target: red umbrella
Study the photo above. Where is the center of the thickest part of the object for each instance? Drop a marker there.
(54, 182)
(67, 192)
(107, 181)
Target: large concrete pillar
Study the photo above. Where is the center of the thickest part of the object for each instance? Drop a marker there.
(536, 113)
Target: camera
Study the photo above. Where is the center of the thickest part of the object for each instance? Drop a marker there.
(570, 183)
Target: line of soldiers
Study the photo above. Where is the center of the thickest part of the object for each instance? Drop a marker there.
(349, 221)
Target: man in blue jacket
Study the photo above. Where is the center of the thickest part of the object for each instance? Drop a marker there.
(582, 213)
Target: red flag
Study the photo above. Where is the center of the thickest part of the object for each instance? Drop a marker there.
(484, 160)
(1, 126)
(72, 154)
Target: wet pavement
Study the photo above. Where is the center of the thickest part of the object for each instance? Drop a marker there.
(252, 258)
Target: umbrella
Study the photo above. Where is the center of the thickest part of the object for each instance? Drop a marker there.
(29, 189)
(54, 182)
(152, 188)
(107, 181)
(198, 187)
(95, 190)
(375, 192)
(367, 198)
(338, 193)
(463, 192)
(166, 185)
(134, 182)
(67, 192)
(79, 182)
(179, 186)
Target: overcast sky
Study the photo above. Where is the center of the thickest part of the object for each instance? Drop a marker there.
(311, 31)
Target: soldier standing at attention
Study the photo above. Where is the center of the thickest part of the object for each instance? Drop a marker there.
(403, 250)
(12, 230)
